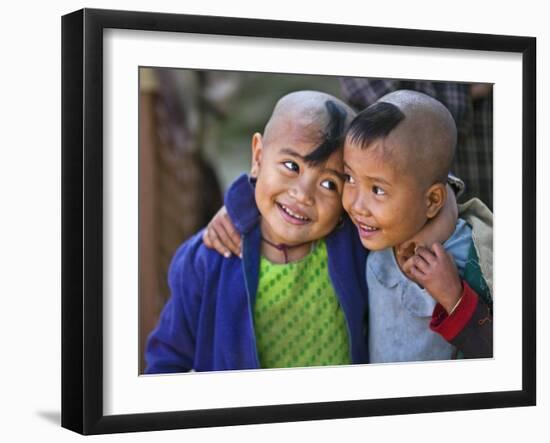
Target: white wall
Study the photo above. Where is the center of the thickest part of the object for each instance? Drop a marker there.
(30, 230)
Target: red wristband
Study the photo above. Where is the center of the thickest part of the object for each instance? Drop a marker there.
(449, 326)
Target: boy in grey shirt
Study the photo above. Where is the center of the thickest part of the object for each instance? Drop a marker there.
(397, 156)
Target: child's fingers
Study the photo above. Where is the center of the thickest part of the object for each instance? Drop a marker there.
(418, 263)
(218, 246)
(225, 238)
(426, 255)
(206, 239)
(409, 263)
(232, 233)
(442, 254)
(215, 242)
(416, 275)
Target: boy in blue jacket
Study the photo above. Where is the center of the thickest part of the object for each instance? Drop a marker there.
(298, 297)
(396, 159)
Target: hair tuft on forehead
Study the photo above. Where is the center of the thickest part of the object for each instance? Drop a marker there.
(419, 133)
(333, 136)
(375, 122)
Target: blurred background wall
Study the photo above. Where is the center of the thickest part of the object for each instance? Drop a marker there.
(195, 133)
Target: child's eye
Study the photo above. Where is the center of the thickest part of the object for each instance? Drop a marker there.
(292, 166)
(329, 184)
(378, 191)
(348, 179)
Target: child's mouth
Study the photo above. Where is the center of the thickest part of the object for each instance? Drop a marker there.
(291, 215)
(366, 231)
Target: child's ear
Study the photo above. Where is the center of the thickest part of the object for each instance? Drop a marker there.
(257, 147)
(435, 199)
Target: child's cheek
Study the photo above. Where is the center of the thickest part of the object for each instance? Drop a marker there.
(346, 199)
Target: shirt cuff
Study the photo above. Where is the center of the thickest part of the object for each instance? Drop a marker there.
(449, 326)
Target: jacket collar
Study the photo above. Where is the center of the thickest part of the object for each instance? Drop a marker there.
(239, 199)
(251, 260)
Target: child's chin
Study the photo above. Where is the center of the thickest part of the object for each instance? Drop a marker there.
(372, 245)
(294, 240)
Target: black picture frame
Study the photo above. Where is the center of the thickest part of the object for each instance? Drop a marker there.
(82, 220)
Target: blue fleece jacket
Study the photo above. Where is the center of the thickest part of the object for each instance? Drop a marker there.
(207, 324)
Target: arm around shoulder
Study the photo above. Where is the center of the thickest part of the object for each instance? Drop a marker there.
(469, 327)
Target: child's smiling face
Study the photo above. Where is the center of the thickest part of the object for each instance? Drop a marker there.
(299, 202)
(387, 203)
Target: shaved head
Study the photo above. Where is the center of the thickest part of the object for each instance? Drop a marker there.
(420, 130)
(314, 117)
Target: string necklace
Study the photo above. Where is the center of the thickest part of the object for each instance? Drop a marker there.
(283, 247)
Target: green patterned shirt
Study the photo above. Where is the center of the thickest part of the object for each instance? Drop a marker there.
(297, 316)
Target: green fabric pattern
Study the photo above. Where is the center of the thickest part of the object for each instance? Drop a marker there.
(297, 316)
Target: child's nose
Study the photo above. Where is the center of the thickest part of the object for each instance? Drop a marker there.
(303, 192)
(361, 205)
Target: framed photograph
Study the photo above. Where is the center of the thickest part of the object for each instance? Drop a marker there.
(160, 115)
